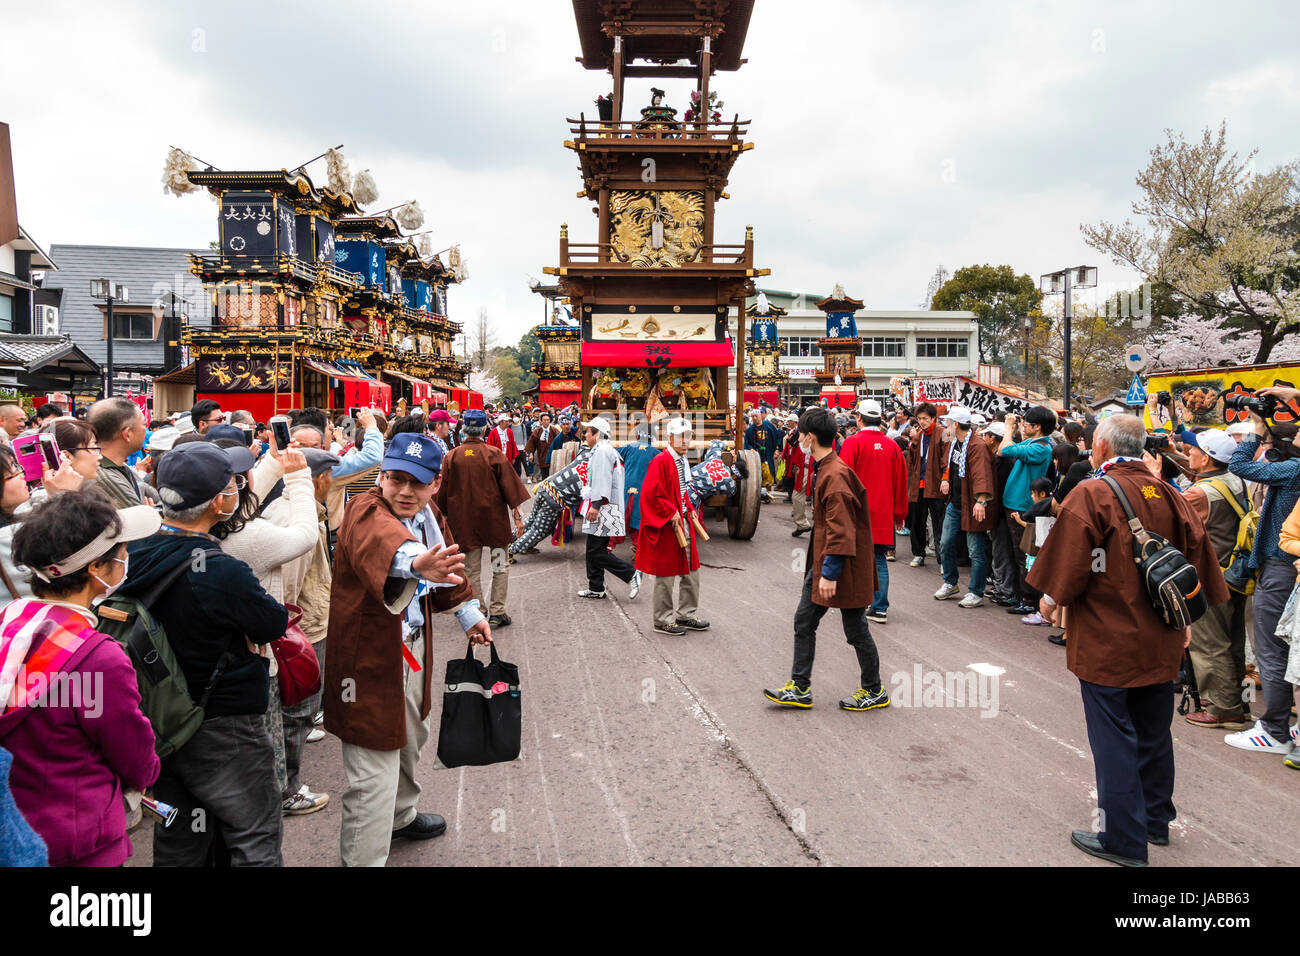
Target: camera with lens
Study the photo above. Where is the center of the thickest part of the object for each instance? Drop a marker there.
(1156, 444)
(1164, 398)
(1262, 405)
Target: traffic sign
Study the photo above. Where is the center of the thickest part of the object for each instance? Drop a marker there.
(1136, 358)
(1137, 393)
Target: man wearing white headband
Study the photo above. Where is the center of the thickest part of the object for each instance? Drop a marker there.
(666, 542)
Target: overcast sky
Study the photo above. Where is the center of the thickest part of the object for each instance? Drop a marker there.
(891, 136)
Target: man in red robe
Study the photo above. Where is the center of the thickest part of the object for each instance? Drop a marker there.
(666, 509)
(503, 437)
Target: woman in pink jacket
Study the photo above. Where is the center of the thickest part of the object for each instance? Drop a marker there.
(69, 704)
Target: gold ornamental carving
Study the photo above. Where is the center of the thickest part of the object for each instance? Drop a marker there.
(656, 229)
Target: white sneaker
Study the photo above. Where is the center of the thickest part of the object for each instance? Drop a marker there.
(916, 562)
(634, 586)
(1259, 740)
(304, 801)
(929, 552)
(971, 600)
(946, 591)
(315, 735)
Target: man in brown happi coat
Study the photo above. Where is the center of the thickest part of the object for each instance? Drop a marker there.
(840, 570)
(926, 454)
(480, 492)
(969, 484)
(538, 446)
(1124, 655)
(395, 566)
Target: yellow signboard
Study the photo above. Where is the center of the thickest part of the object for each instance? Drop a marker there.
(1196, 395)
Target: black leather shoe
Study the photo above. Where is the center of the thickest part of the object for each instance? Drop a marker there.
(1057, 639)
(1089, 843)
(798, 531)
(1022, 609)
(1005, 602)
(1159, 841)
(692, 624)
(424, 826)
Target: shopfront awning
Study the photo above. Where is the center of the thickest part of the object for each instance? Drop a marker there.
(359, 389)
(653, 355)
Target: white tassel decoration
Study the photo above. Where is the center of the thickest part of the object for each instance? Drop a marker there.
(174, 179)
(410, 217)
(425, 245)
(364, 190)
(336, 168)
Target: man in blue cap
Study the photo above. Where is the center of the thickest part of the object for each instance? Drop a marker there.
(396, 565)
(478, 494)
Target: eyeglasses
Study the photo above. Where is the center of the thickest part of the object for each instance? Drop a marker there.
(15, 474)
(95, 448)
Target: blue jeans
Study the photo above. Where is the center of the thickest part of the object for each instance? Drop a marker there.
(880, 599)
(948, 551)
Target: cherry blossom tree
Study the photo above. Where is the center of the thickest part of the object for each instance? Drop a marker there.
(1219, 236)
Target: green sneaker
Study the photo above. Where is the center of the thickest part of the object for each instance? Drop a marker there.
(866, 700)
(790, 695)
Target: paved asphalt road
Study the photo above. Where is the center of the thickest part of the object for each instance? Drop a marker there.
(640, 748)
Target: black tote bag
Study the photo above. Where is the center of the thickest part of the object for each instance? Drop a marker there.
(481, 715)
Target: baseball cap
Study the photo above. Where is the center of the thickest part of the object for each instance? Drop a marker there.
(137, 522)
(678, 426)
(869, 408)
(475, 418)
(957, 413)
(232, 432)
(1219, 445)
(196, 472)
(1240, 430)
(978, 420)
(417, 455)
(441, 415)
(599, 423)
(319, 461)
(995, 428)
(162, 439)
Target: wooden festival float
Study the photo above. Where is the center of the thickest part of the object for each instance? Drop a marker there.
(315, 304)
(839, 376)
(654, 293)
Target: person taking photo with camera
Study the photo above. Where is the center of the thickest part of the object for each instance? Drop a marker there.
(1279, 472)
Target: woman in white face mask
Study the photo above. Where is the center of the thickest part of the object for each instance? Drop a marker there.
(69, 702)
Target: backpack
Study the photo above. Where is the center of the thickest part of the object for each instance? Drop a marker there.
(1171, 581)
(164, 693)
(1238, 576)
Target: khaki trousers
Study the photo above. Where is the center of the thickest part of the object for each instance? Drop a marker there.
(500, 568)
(688, 598)
(1218, 652)
(798, 509)
(382, 789)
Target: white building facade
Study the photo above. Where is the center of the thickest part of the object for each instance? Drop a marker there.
(895, 343)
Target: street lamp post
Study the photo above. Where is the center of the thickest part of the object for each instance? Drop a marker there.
(1077, 277)
(110, 292)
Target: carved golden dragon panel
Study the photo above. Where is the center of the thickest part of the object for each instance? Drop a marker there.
(633, 214)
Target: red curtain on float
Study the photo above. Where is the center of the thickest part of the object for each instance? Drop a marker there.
(771, 397)
(840, 399)
(261, 405)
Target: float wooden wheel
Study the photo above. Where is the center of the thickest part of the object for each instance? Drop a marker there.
(742, 517)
